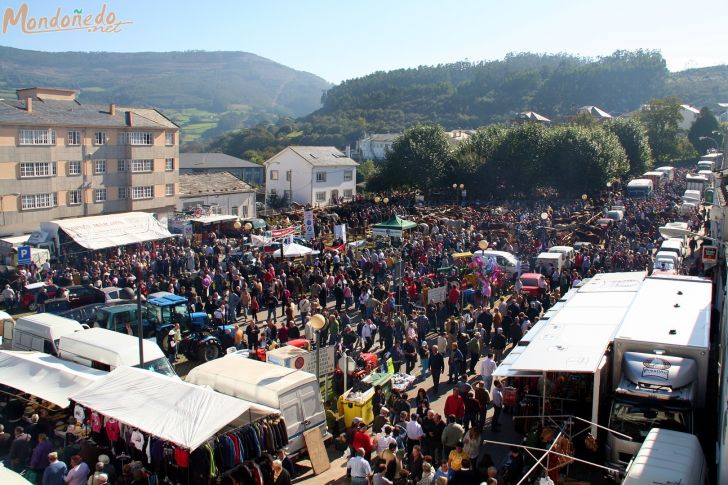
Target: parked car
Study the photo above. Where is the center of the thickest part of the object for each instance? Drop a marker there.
(84, 314)
(80, 295)
(533, 283)
(118, 295)
(30, 292)
(56, 306)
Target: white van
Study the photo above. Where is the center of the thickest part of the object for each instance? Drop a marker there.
(568, 252)
(7, 326)
(694, 196)
(706, 165)
(507, 261)
(550, 260)
(674, 244)
(294, 393)
(615, 215)
(668, 171)
(42, 332)
(696, 182)
(104, 349)
(668, 456)
(669, 257)
(687, 208)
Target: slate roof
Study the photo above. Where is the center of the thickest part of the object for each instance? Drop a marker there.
(323, 156)
(213, 160)
(532, 116)
(191, 184)
(595, 112)
(72, 113)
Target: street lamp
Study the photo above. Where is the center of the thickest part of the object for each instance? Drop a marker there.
(317, 322)
(385, 200)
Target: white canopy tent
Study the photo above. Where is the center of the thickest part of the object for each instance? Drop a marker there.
(176, 411)
(293, 250)
(45, 376)
(108, 231)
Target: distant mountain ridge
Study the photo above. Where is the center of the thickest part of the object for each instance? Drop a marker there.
(237, 88)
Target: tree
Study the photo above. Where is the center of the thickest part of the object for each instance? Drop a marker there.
(366, 170)
(662, 117)
(633, 138)
(705, 125)
(418, 158)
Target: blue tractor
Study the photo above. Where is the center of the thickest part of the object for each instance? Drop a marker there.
(201, 340)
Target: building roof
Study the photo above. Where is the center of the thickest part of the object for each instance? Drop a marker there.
(213, 160)
(384, 137)
(72, 113)
(196, 184)
(532, 116)
(692, 109)
(322, 156)
(594, 111)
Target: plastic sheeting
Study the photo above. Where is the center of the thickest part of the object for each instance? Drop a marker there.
(181, 413)
(108, 231)
(45, 376)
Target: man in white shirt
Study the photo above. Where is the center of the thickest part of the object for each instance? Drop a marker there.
(414, 432)
(358, 469)
(304, 306)
(384, 438)
(487, 367)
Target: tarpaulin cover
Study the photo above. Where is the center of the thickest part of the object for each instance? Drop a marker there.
(166, 407)
(45, 376)
(108, 231)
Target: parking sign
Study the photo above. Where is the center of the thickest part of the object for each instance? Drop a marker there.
(23, 254)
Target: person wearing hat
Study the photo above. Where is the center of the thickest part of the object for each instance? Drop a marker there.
(171, 342)
(381, 420)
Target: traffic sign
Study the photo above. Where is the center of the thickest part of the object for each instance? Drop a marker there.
(23, 254)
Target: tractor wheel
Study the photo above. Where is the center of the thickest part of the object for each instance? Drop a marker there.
(209, 352)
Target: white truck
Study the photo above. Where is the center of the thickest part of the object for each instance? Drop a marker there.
(660, 363)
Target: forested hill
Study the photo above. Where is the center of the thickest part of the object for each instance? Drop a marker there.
(467, 95)
(215, 91)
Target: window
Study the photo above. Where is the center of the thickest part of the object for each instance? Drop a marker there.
(169, 139)
(273, 192)
(320, 176)
(122, 165)
(245, 211)
(74, 167)
(38, 201)
(37, 169)
(99, 166)
(169, 164)
(288, 175)
(287, 194)
(321, 196)
(169, 189)
(123, 193)
(100, 195)
(136, 138)
(348, 193)
(74, 137)
(144, 192)
(142, 165)
(101, 138)
(274, 174)
(348, 175)
(37, 137)
(74, 197)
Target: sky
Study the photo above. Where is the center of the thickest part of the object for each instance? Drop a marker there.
(343, 39)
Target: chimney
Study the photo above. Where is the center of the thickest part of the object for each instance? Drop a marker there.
(112, 109)
(29, 105)
(348, 151)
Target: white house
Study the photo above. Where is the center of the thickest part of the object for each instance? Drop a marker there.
(689, 115)
(595, 112)
(375, 147)
(311, 175)
(216, 193)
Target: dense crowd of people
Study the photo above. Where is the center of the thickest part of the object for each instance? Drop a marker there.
(375, 298)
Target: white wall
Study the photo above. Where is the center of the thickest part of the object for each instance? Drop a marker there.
(300, 172)
(230, 204)
(688, 118)
(373, 150)
(334, 181)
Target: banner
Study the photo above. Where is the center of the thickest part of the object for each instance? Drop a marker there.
(710, 256)
(378, 231)
(283, 232)
(340, 232)
(308, 225)
(437, 295)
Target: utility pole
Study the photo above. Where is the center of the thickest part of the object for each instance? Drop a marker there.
(140, 324)
(290, 187)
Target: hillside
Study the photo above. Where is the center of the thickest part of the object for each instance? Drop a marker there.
(469, 95)
(216, 91)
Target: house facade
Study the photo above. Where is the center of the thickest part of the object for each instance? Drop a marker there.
(689, 115)
(375, 147)
(311, 175)
(60, 158)
(249, 172)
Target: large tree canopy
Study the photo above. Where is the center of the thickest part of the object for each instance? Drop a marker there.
(633, 138)
(705, 126)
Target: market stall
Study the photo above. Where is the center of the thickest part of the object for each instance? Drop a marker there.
(293, 250)
(393, 227)
(44, 376)
(196, 424)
